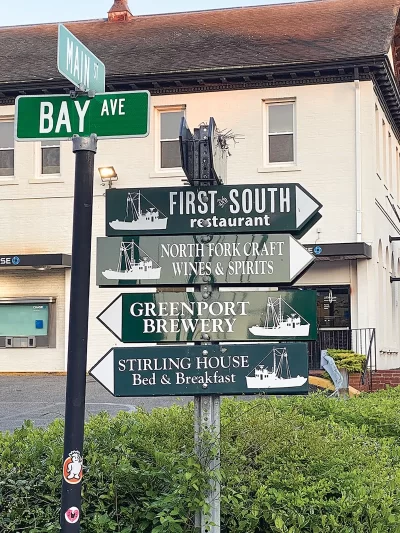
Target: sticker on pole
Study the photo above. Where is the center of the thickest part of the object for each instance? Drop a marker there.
(72, 515)
(73, 466)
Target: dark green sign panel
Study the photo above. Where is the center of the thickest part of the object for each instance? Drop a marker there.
(191, 370)
(109, 116)
(212, 316)
(272, 208)
(189, 260)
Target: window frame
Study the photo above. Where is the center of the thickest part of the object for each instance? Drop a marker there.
(11, 119)
(159, 110)
(40, 162)
(266, 133)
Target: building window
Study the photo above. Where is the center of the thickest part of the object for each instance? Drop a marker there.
(50, 157)
(280, 133)
(377, 141)
(170, 120)
(390, 165)
(6, 148)
(384, 151)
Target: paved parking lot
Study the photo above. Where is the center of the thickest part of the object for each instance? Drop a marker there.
(41, 399)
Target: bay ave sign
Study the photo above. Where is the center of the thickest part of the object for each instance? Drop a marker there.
(189, 260)
(188, 370)
(272, 208)
(78, 64)
(212, 316)
(109, 116)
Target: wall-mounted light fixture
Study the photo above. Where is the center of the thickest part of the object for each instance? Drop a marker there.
(108, 174)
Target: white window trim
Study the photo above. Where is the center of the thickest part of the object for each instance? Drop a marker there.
(44, 178)
(9, 180)
(159, 172)
(279, 166)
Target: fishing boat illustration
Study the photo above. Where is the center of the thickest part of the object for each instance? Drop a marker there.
(148, 218)
(273, 379)
(281, 320)
(132, 266)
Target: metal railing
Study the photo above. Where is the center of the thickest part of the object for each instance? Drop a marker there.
(359, 340)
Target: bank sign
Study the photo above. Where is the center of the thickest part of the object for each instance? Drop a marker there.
(272, 208)
(212, 316)
(191, 370)
(190, 260)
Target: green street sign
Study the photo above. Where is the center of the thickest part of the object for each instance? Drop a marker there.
(272, 208)
(78, 64)
(190, 370)
(212, 316)
(189, 260)
(110, 116)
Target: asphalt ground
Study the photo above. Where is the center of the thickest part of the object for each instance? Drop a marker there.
(42, 399)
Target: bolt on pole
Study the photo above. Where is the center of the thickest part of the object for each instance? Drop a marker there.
(84, 149)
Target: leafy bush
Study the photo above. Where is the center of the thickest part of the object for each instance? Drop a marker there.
(312, 464)
(348, 360)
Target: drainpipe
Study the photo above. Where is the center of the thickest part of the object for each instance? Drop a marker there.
(358, 156)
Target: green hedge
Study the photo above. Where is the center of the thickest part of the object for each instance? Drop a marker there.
(312, 464)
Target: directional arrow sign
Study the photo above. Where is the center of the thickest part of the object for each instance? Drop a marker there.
(110, 116)
(189, 260)
(77, 63)
(218, 316)
(272, 208)
(189, 370)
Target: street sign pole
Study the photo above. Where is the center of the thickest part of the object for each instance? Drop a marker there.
(84, 149)
(207, 428)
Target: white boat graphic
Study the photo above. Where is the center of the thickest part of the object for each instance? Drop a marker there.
(272, 379)
(135, 269)
(281, 321)
(150, 218)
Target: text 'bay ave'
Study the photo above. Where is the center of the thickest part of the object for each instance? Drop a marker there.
(109, 115)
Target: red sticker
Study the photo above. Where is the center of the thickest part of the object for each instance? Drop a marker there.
(73, 466)
(72, 515)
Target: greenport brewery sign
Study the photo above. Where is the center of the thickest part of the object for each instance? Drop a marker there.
(212, 316)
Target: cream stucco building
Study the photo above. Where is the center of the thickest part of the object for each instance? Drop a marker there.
(313, 90)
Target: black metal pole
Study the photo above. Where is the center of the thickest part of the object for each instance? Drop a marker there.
(84, 149)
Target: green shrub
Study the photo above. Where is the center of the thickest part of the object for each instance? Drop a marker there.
(348, 360)
(312, 464)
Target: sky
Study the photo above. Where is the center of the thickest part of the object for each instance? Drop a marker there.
(41, 11)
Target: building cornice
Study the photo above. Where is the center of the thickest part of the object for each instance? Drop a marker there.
(376, 68)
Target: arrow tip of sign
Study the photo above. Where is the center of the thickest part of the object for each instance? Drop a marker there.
(300, 258)
(306, 206)
(103, 371)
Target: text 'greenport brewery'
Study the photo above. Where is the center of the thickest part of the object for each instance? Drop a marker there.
(169, 316)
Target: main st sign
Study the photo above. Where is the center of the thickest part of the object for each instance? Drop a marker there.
(108, 115)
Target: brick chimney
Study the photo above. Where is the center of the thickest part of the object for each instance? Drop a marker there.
(120, 12)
